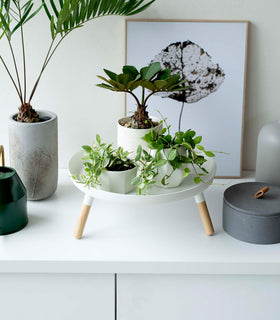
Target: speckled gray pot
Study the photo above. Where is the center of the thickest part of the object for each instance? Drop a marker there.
(33, 153)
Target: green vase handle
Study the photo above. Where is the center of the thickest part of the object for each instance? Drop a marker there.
(2, 156)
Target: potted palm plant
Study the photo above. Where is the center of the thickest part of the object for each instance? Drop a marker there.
(33, 134)
(106, 168)
(152, 78)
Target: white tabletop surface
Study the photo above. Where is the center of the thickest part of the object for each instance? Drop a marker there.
(121, 238)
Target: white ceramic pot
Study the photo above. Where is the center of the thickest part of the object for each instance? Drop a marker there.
(176, 177)
(33, 154)
(183, 152)
(117, 181)
(130, 139)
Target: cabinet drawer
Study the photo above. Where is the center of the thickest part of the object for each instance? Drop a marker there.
(57, 296)
(195, 297)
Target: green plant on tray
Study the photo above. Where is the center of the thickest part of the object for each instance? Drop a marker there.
(103, 157)
(152, 77)
(181, 149)
(65, 16)
(147, 169)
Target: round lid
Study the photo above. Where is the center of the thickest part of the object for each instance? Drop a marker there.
(241, 198)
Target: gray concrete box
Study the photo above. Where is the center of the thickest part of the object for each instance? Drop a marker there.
(252, 220)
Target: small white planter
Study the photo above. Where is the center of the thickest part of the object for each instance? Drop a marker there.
(176, 177)
(130, 139)
(117, 181)
(33, 154)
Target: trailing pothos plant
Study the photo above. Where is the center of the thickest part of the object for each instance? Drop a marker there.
(153, 78)
(102, 157)
(65, 16)
(147, 169)
(181, 150)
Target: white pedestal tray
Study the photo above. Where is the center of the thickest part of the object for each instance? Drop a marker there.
(187, 189)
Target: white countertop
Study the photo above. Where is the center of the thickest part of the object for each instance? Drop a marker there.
(165, 238)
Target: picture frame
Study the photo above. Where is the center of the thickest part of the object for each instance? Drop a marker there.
(215, 107)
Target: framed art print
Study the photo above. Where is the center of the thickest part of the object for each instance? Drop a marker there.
(211, 55)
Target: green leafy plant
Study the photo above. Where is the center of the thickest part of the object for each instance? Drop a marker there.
(147, 169)
(182, 149)
(65, 16)
(102, 157)
(152, 77)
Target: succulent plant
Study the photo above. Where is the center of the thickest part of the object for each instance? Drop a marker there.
(153, 78)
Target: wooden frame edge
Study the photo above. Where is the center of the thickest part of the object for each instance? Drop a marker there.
(245, 72)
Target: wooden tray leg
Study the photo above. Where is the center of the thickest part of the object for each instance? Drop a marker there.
(204, 214)
(82, 219)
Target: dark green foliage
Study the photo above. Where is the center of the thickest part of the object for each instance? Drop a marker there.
(183, 149)
(152, 77)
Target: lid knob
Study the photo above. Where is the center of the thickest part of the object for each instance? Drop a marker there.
(261, 192)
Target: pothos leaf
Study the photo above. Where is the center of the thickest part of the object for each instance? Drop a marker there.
(172, 154)
(87, 148)
(209, 154)
(197, 180)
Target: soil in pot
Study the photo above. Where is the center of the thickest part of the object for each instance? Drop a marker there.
(121, 167)
(41, 119)
(130, 138)
(129, 122)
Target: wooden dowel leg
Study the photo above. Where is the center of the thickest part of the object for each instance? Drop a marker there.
(204, 214)
(82, 219)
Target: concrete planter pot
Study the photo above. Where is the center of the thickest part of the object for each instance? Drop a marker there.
(117, 181)
(176, 177)
(130, 139)
(34, 154)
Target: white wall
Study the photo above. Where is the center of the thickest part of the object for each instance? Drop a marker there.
(67, 87)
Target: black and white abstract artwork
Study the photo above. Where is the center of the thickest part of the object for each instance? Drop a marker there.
(211, 56)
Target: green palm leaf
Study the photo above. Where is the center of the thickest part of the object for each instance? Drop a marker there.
(10, 15)
(75, 13)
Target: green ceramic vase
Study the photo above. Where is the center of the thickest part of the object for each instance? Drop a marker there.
(13, 202)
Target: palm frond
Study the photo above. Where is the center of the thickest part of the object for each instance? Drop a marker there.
(74, 13)
(15, 14)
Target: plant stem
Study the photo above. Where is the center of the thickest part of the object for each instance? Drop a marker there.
(47, 60)
(143, 95)
(180, 117)
(11, 78)
(50, 54)
(41, 72)
(148, 96)
(54, 49)
(23, 54)
(138, 102)
(16, 68)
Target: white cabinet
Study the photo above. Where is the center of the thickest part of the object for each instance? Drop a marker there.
(198, 297)
(57, 297)
(167, 268)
